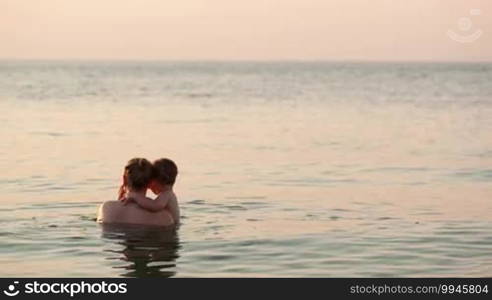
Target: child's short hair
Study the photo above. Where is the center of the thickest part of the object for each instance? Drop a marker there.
(139, 172)
(165, 171)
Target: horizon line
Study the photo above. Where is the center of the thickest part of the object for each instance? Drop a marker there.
(239, 60)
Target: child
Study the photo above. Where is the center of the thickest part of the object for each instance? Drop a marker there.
(165, 172)
(137, 177)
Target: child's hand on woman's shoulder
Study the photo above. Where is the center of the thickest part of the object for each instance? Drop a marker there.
(130, 197)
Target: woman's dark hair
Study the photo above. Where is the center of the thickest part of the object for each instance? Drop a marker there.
(165, 171)
(138, 173)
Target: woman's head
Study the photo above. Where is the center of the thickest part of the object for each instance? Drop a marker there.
(138, 174)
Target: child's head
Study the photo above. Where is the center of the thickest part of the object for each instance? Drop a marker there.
(138, 174)
(165, 172)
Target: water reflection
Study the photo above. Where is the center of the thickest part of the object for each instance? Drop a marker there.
(147, 251)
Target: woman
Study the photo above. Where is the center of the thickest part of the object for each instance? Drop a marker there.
(137, 176)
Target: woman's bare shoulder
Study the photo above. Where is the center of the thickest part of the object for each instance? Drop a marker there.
(116, 211)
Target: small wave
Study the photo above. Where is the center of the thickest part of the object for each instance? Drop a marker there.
(474, 174)
(49, 133)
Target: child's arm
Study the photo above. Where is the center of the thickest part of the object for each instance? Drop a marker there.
(160, 203)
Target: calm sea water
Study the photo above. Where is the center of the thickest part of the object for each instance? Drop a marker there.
(286, 169)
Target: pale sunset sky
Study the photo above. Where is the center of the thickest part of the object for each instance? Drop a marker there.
(404, 30)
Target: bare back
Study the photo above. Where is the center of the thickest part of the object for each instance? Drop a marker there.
(116, 212)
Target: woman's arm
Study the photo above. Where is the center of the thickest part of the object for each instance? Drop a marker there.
(122, 191)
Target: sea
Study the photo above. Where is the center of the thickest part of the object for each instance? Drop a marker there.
(286, 168)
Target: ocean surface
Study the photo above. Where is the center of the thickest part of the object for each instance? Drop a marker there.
(299, 169)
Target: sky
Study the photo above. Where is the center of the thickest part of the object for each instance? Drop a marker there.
(375, 30)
